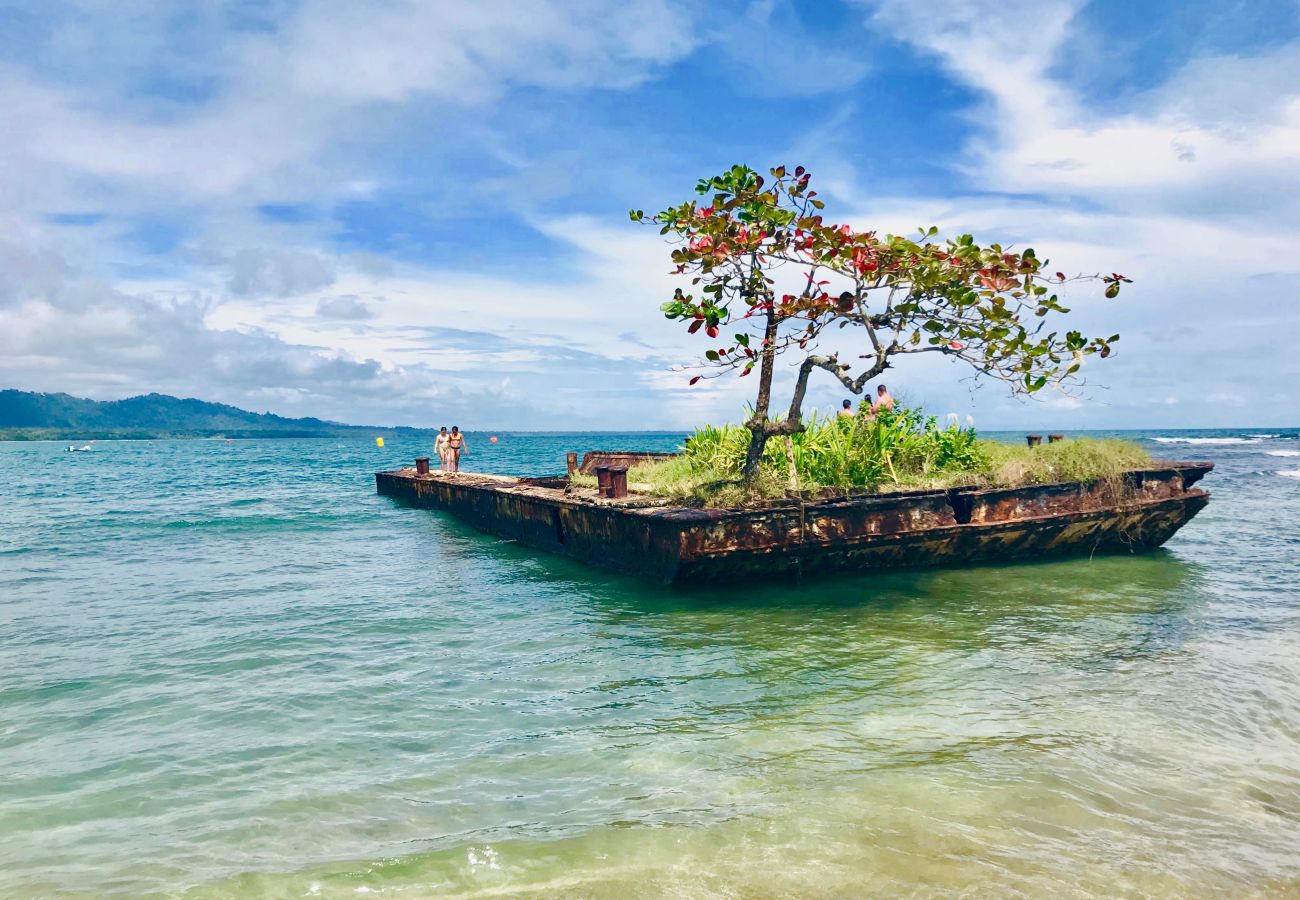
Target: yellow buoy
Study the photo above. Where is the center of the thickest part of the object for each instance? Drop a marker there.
(379, 442)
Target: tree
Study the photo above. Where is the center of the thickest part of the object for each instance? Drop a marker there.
(985, 305)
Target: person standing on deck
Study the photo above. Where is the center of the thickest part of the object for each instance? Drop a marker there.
(455, 446)
(440, 447)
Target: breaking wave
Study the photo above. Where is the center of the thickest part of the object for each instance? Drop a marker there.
(1283, 452)
(1290, 473)
(1219, 440)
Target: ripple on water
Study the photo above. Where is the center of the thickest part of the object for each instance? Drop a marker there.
(264, 680)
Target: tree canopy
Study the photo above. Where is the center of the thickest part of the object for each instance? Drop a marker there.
(986, 305)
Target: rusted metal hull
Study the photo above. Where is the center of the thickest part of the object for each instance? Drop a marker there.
(913, 528)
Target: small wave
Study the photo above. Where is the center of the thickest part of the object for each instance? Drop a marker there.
(1223, 440)
(1290, 473)
(1263, 437)
(1283, 452)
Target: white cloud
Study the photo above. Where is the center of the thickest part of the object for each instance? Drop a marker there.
(1190, 188)
(257, 309)
(1207, 125)
(329, 71)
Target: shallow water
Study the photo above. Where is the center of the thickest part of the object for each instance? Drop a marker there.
(230, 669)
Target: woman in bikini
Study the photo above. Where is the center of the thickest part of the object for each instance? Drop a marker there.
(455, 446)
(440, 448)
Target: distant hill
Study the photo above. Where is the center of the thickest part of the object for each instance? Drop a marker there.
(32, 416)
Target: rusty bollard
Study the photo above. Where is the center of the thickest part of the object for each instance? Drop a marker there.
(617, 482)
(1034, 439)
(602, 480)
(422, 465)
(571, 459)
(1053, 438)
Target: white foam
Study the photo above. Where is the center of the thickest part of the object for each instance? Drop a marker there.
(1290, 473)
(1284, 452)
(1229, 440)
(1264, 436)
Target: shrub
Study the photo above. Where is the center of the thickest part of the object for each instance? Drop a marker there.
(896, 449)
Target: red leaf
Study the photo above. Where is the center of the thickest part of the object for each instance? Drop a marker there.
(711, 331)
(1060, 275)
(695, 326)
(696, 378)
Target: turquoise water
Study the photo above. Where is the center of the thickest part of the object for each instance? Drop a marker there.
(230, 669)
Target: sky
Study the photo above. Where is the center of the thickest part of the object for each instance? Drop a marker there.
(403, 212)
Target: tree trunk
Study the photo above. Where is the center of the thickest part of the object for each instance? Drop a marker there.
(759, 427)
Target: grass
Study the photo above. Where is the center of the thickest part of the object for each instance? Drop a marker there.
(893, 451)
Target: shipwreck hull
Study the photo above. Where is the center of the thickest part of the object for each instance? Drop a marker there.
(904, 529)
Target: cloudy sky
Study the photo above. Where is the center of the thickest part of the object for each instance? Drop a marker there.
(415, 212)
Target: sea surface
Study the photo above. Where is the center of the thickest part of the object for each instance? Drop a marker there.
(230, 669)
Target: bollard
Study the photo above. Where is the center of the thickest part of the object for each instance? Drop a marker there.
(602, 480)
(1053, 438)
(1034, 439)
(422, 465)
(572, 460)
(617, 482)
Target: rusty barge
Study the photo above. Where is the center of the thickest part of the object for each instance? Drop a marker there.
(672, 543)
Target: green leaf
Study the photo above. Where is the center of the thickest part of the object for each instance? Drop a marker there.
(711, 355)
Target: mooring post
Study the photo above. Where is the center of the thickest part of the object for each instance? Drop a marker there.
(1034, 439)
(571, 460)
(617, 482)
(1053, 438)
(422, 465)
(602, 480)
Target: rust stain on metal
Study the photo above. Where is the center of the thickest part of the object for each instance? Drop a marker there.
(652, 538)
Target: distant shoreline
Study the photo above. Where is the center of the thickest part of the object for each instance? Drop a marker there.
(28, 435)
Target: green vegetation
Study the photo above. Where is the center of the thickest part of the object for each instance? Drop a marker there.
(893, 450)
(36, 417)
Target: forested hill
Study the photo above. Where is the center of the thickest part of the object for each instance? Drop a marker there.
(33, 416)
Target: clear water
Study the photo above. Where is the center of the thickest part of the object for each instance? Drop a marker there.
(233, 670)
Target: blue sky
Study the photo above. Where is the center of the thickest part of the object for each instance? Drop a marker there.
(415, 212)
